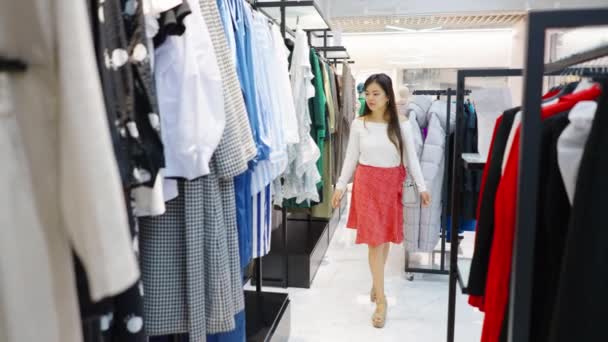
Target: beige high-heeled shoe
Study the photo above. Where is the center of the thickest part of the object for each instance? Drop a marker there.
(379, 316)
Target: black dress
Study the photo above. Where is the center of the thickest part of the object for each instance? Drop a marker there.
(552, 227)
(128, 88)
(582, 296)
(124, 66)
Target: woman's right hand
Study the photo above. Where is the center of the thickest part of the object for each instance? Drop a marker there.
(337, 198)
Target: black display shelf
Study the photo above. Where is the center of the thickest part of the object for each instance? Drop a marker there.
(307, 242)
(268, 316)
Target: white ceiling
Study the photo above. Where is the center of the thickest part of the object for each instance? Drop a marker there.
(348, 8)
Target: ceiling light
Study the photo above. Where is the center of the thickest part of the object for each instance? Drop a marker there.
(431, 29)
(404, 29)
(396, 28)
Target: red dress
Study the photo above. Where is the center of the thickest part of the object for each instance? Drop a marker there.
(499, 270)
(376, 211)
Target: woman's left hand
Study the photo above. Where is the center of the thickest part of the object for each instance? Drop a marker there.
(426, 198)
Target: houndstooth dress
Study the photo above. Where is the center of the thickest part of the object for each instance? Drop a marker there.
(190, 261)
(189, 255)
(237, 146)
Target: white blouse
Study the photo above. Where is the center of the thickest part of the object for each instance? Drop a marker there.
(370, 145)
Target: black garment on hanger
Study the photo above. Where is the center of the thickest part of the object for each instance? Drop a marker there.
(128, 89)
(582, 296)
(485, 222)
(551, 229)
(472, 178)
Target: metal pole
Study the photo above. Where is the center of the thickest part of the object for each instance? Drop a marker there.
(283, 24)
(456, 198)
(525, 232)
(283, 210)
(325, 43)
(258, 275)
(445, 180)
(285, 249)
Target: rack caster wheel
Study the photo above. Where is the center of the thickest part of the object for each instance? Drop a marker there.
(409, 276)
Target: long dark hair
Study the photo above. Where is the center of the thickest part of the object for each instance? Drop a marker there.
(394, 127)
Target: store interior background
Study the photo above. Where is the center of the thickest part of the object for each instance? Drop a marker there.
(420, 44)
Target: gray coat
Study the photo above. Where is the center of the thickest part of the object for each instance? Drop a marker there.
(423, 225)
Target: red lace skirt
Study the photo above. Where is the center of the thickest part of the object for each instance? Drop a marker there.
(376, 211)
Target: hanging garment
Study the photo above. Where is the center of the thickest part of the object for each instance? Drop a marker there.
(551, 230)
(422, 225)
(238, 35)
(335, 163)
(499, 269)
(318, 110)
(237, 146)
(124, 65)
(75, 180)
(485, 216)
(282, 89)
(324, 209)
(581, 295)
(262, 222)
(120, 317)
(266, 171)
(26, 291)
(190, 261)
(471, 178)
(302, 175)
(191, 98)
(256, 76)
(347, 114)
(572, 142)
(327, 88)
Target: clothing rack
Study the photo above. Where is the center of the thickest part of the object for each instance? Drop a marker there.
(298, 250)
(442, 270)
(458, 166)
(535, 69)
(325, 48)
(523, 256)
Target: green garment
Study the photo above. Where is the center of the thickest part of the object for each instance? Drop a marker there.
(318, 110)
(362, 102)
(331, 119)
(324, 209)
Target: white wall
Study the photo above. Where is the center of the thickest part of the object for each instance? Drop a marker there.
(389, 52)
(579, 40)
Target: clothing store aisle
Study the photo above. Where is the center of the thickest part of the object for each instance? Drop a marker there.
(337, 307)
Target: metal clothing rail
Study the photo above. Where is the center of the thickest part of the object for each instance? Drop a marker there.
(539, 22)
(283, 5)
(442, 270)
(523, 249)
(457, 176)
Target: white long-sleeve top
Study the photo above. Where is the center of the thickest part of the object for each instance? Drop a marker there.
(370, 145)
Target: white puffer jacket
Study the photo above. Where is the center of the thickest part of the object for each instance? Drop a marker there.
(423, 225)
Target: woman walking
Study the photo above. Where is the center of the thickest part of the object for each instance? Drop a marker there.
(380, 146)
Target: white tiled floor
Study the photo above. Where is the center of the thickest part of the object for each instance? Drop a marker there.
(337, 307)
